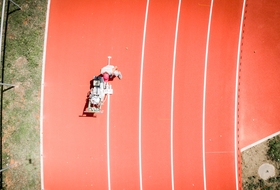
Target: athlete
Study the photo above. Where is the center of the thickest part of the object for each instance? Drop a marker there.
(110, 71)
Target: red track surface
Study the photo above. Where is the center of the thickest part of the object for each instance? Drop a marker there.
(260, 71)
(83, 33)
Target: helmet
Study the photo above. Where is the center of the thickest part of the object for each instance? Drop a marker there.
(106, 77)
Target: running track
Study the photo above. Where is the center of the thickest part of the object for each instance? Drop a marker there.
(200, 82)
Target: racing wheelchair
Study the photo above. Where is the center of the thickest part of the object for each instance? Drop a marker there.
(98, 94)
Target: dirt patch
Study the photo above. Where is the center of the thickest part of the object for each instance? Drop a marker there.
(252, 159)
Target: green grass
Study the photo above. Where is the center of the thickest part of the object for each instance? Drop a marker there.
(274, 149)
(21, 105)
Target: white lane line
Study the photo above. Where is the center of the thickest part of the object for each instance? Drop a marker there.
(260, 141)
(42, 95)
(140, 96)
(236, 98)
(108, 143)
(204, 95)
(172, 95)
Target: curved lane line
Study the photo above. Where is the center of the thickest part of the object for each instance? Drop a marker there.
(140, 96)
(236, 98)
(42, 95)
(172, 94)
(108, 143)
(260, 141)
(204, 95)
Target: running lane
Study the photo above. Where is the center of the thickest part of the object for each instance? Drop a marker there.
(157, 74)
(220, 95)
(127, 23)
(74, 146)
(259, 89)
(81, 36)
(192, 33)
